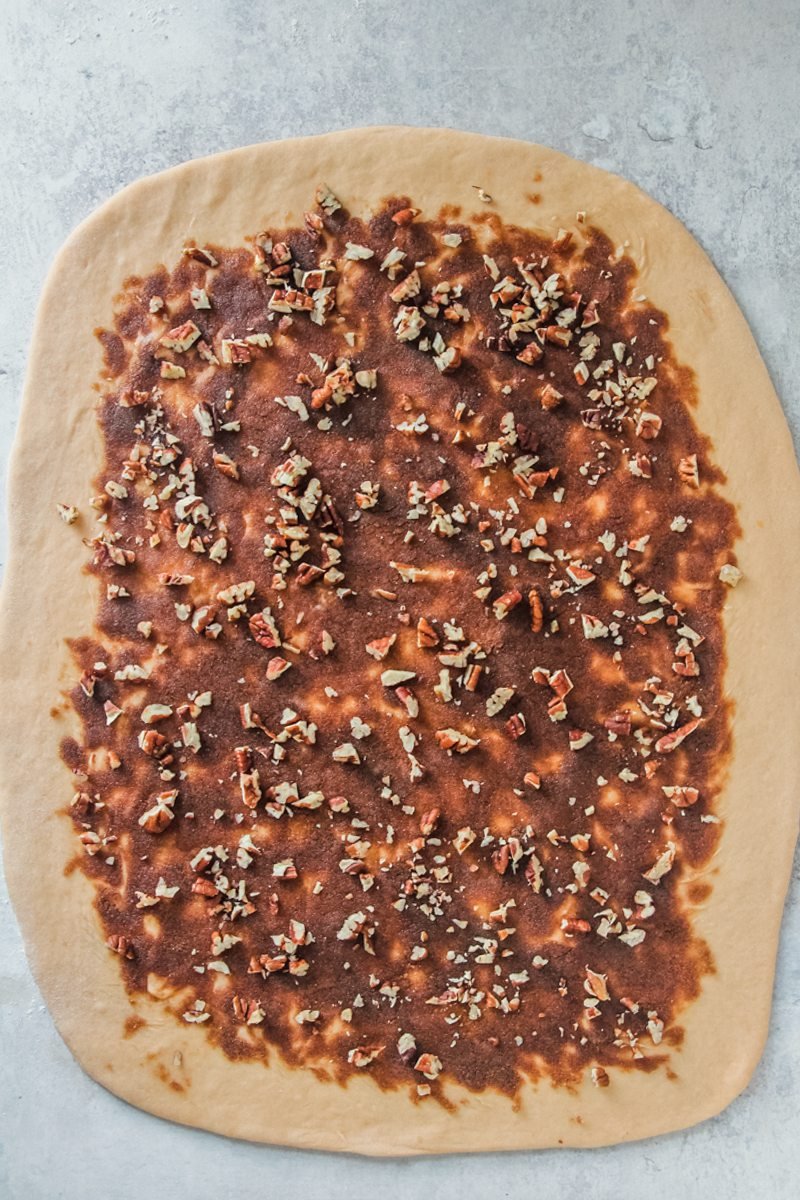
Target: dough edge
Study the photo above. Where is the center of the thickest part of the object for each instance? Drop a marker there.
(221, 199)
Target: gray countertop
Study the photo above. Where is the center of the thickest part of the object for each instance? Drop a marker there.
(697, 103)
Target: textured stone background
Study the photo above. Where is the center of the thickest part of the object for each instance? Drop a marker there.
(695, 101)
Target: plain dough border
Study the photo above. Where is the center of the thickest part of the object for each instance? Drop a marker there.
(47, 597)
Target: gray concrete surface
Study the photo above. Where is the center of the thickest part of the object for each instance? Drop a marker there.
(695, 101)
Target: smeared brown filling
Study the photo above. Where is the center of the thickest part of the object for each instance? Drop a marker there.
(408, 721)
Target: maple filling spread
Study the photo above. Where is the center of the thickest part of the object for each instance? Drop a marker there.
(403, 717)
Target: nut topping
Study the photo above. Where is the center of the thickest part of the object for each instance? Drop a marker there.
(394, 641)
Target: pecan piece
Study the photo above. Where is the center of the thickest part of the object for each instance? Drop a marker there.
(472, 677)
(537, 610)
(590, 315)
(454, 739)
(516, 726)
(573, 925)
(244, 758)
(501, 859)
(648, 425)
(531, 354)
(250, 785)
(681, 797)
(153, 743)
(427, 636)
(688, 471)
(404, 216)
(505, 603)
(534, 873)
(549, 397)
(406, 1047)
(362, 1056)
(308, 573)
(428, 821)
(429, 1065)
(671, 741)
(618, 723)
(157, 818)
(249, 1012)
(558, 335)
(204, 887)
(264, 630)
(121, 945)
(380, 647)
(449, 360)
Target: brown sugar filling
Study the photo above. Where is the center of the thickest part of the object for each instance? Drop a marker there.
(403, 719)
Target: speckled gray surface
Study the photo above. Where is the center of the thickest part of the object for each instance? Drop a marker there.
(696, 102)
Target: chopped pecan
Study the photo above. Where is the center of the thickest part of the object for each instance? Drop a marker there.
(406, 1047)
(681, 797)
(429, 1065)
(244, 758)
(404, 216)
(427, 636)
(380, 647)
(454, 739)
(428, 821)
(161, 814)
(121, 945)
(249, 1012)
(688, 471)
(573, 925)
(500, 859)
(264, 630)
(549, 397)
(505, 603)
(671, 741)
(250, 785)
(537, 609)
(558, 335)
(619, 723)
(534, 873)
(362, 1056)
(308, 573)
(516, 726)
(153, 743)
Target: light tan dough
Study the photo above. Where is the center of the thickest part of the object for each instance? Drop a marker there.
(48, 597)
